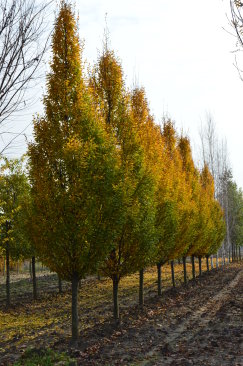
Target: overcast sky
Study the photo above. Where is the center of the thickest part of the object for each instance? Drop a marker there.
(179, 51)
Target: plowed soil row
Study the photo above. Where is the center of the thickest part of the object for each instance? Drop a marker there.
(197, 324)
(200, 324)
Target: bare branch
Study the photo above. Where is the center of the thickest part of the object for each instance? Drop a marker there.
(23, 44)
(14, 138)
(236, 22)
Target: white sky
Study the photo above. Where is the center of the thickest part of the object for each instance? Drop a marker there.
(180, 53)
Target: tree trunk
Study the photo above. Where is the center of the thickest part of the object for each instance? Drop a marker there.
(172, 273)
(75, 281)
(34, 279)
(115, 299)
(239, 254)
(7, 276)
(217, 261)
(179, 260)
(159, 279)
(211, 261)
(184, 270)
(4, 267)
(59, 284)
(200, 265)
(141, 295)
(207, 262)
(193, 268)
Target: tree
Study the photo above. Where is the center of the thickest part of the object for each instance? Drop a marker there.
(72, 168)
(134, 232)
(168, 196)
(211, 224)
(214, 154)
(235, 217)
(236, 7)
(13, 189)
(151, 140)
(25, 234)
(189, 233)
(23, 43)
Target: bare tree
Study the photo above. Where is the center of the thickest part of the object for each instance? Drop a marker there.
(23, 43)
(236, 7)
(209, 144)
(236, 22)
(214, 153)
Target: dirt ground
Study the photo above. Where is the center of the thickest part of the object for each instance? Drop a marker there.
(201, 324)
(198, 324)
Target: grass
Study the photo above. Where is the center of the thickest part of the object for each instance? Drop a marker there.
(34, 357)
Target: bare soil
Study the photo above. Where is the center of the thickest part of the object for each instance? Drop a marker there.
(197, 324)
(200, 324)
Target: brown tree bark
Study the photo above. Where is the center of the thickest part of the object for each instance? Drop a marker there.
(34, 278)
(75, 281)
(159, 279)
(115, 299)
(172, 273)
(193, 268)
(184, 270)
(141, 292)
(200, 265)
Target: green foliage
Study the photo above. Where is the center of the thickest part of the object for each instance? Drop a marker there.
(42, 357)
(210, 220)
(14, 191)
(133, 224)
(72, 165)
(169, 190)
(110, 190)
(235, 199)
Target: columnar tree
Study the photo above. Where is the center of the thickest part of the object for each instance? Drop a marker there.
(152, 143)
(188, 222)
(72, 167)
(210, 228)
(170, 191)
(235, 216)
(134, 233)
